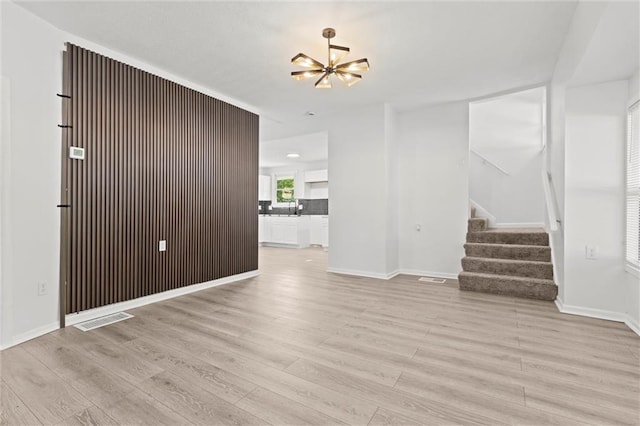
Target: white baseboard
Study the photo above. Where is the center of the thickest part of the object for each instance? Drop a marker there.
(633, 325)
(282, 245)
(432, 274)
(599, 314)
(518, 225)
(72, 319)
(392, 274)
(365, 274)
(32, 334)
(90, 314)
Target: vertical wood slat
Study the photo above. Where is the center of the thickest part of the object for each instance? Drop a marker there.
(161, 162)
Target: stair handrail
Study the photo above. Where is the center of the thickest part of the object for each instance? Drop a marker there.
(549, 201)
(485, 160)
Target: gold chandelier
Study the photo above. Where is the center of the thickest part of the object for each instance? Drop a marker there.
(347, 72)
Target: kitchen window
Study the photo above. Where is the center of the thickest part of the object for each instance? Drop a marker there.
(284, 189)
(633, 188)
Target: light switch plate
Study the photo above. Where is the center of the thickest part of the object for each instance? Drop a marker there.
(162, 245)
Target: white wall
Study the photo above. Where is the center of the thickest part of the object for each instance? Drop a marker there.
(507, 132)
(393, 206)
(32, 70)
(434, 194)
(594, 197)
(358, 182)
(586, 158)
(583, 25)
(31, 178)
(633, 294)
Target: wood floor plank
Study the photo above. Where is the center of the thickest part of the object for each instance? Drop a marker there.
(299, 345)
(97, 384)
(92, 416)
(12, 410)
(376, 372)
(225, 385)
(344, 407)
(278, 410)
(139, 408)
(422, 409)
(118, 359)
(579, 410)
(196, 404)
(384, 417)
(47, 396)
(492, 408)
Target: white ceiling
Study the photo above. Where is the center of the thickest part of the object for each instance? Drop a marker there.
(614, 50)
(420, 53)
(312, 147)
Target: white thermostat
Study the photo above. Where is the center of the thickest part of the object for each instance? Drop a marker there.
(76, 153)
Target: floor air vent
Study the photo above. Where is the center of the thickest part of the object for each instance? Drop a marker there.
(102, 321)
(432, 280)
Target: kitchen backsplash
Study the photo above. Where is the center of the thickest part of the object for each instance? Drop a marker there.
(310, 207)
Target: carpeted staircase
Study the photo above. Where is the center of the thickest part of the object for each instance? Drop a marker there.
(507, 261)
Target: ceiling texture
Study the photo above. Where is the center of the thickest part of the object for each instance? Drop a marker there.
(421, 53)
(312, 147)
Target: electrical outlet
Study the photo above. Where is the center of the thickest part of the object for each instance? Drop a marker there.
(591, 252)
(162, 245)
(42, 289)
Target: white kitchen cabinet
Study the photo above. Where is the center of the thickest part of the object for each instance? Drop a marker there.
(291, 231)
(319, 232)
(316, 176)
(264, 188)
(260, 229)
(325, 231)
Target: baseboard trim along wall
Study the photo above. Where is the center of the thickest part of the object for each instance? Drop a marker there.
(31, 334)
(393, 274)
(365, 274)
(599, 314)
(90, 314)
(432, 274)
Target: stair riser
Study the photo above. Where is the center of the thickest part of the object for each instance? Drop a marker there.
(535, 253)
(541, 271)
(530, 239)
(507, 287)
(477, 225)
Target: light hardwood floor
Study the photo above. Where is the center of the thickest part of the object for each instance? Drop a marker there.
(298, 345)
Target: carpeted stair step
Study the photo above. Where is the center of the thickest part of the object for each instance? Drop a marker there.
(511, 267)
(477, 224)
(520, 236)
(473, 212)
(530, 288)
(509, 251)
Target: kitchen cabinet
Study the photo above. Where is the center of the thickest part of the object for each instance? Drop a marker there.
(319, 232)
(288, 231)
(325, 231)
(264, 188)
(316, 176)
(260, 229)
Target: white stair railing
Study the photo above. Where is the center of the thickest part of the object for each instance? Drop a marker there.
(549, 200)
(485, 160)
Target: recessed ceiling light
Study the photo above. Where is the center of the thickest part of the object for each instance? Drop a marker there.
(309, 113)
(293, 155)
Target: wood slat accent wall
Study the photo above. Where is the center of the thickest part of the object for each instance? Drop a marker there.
(162, 162)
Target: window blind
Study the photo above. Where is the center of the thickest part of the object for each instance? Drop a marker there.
(633, 185)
